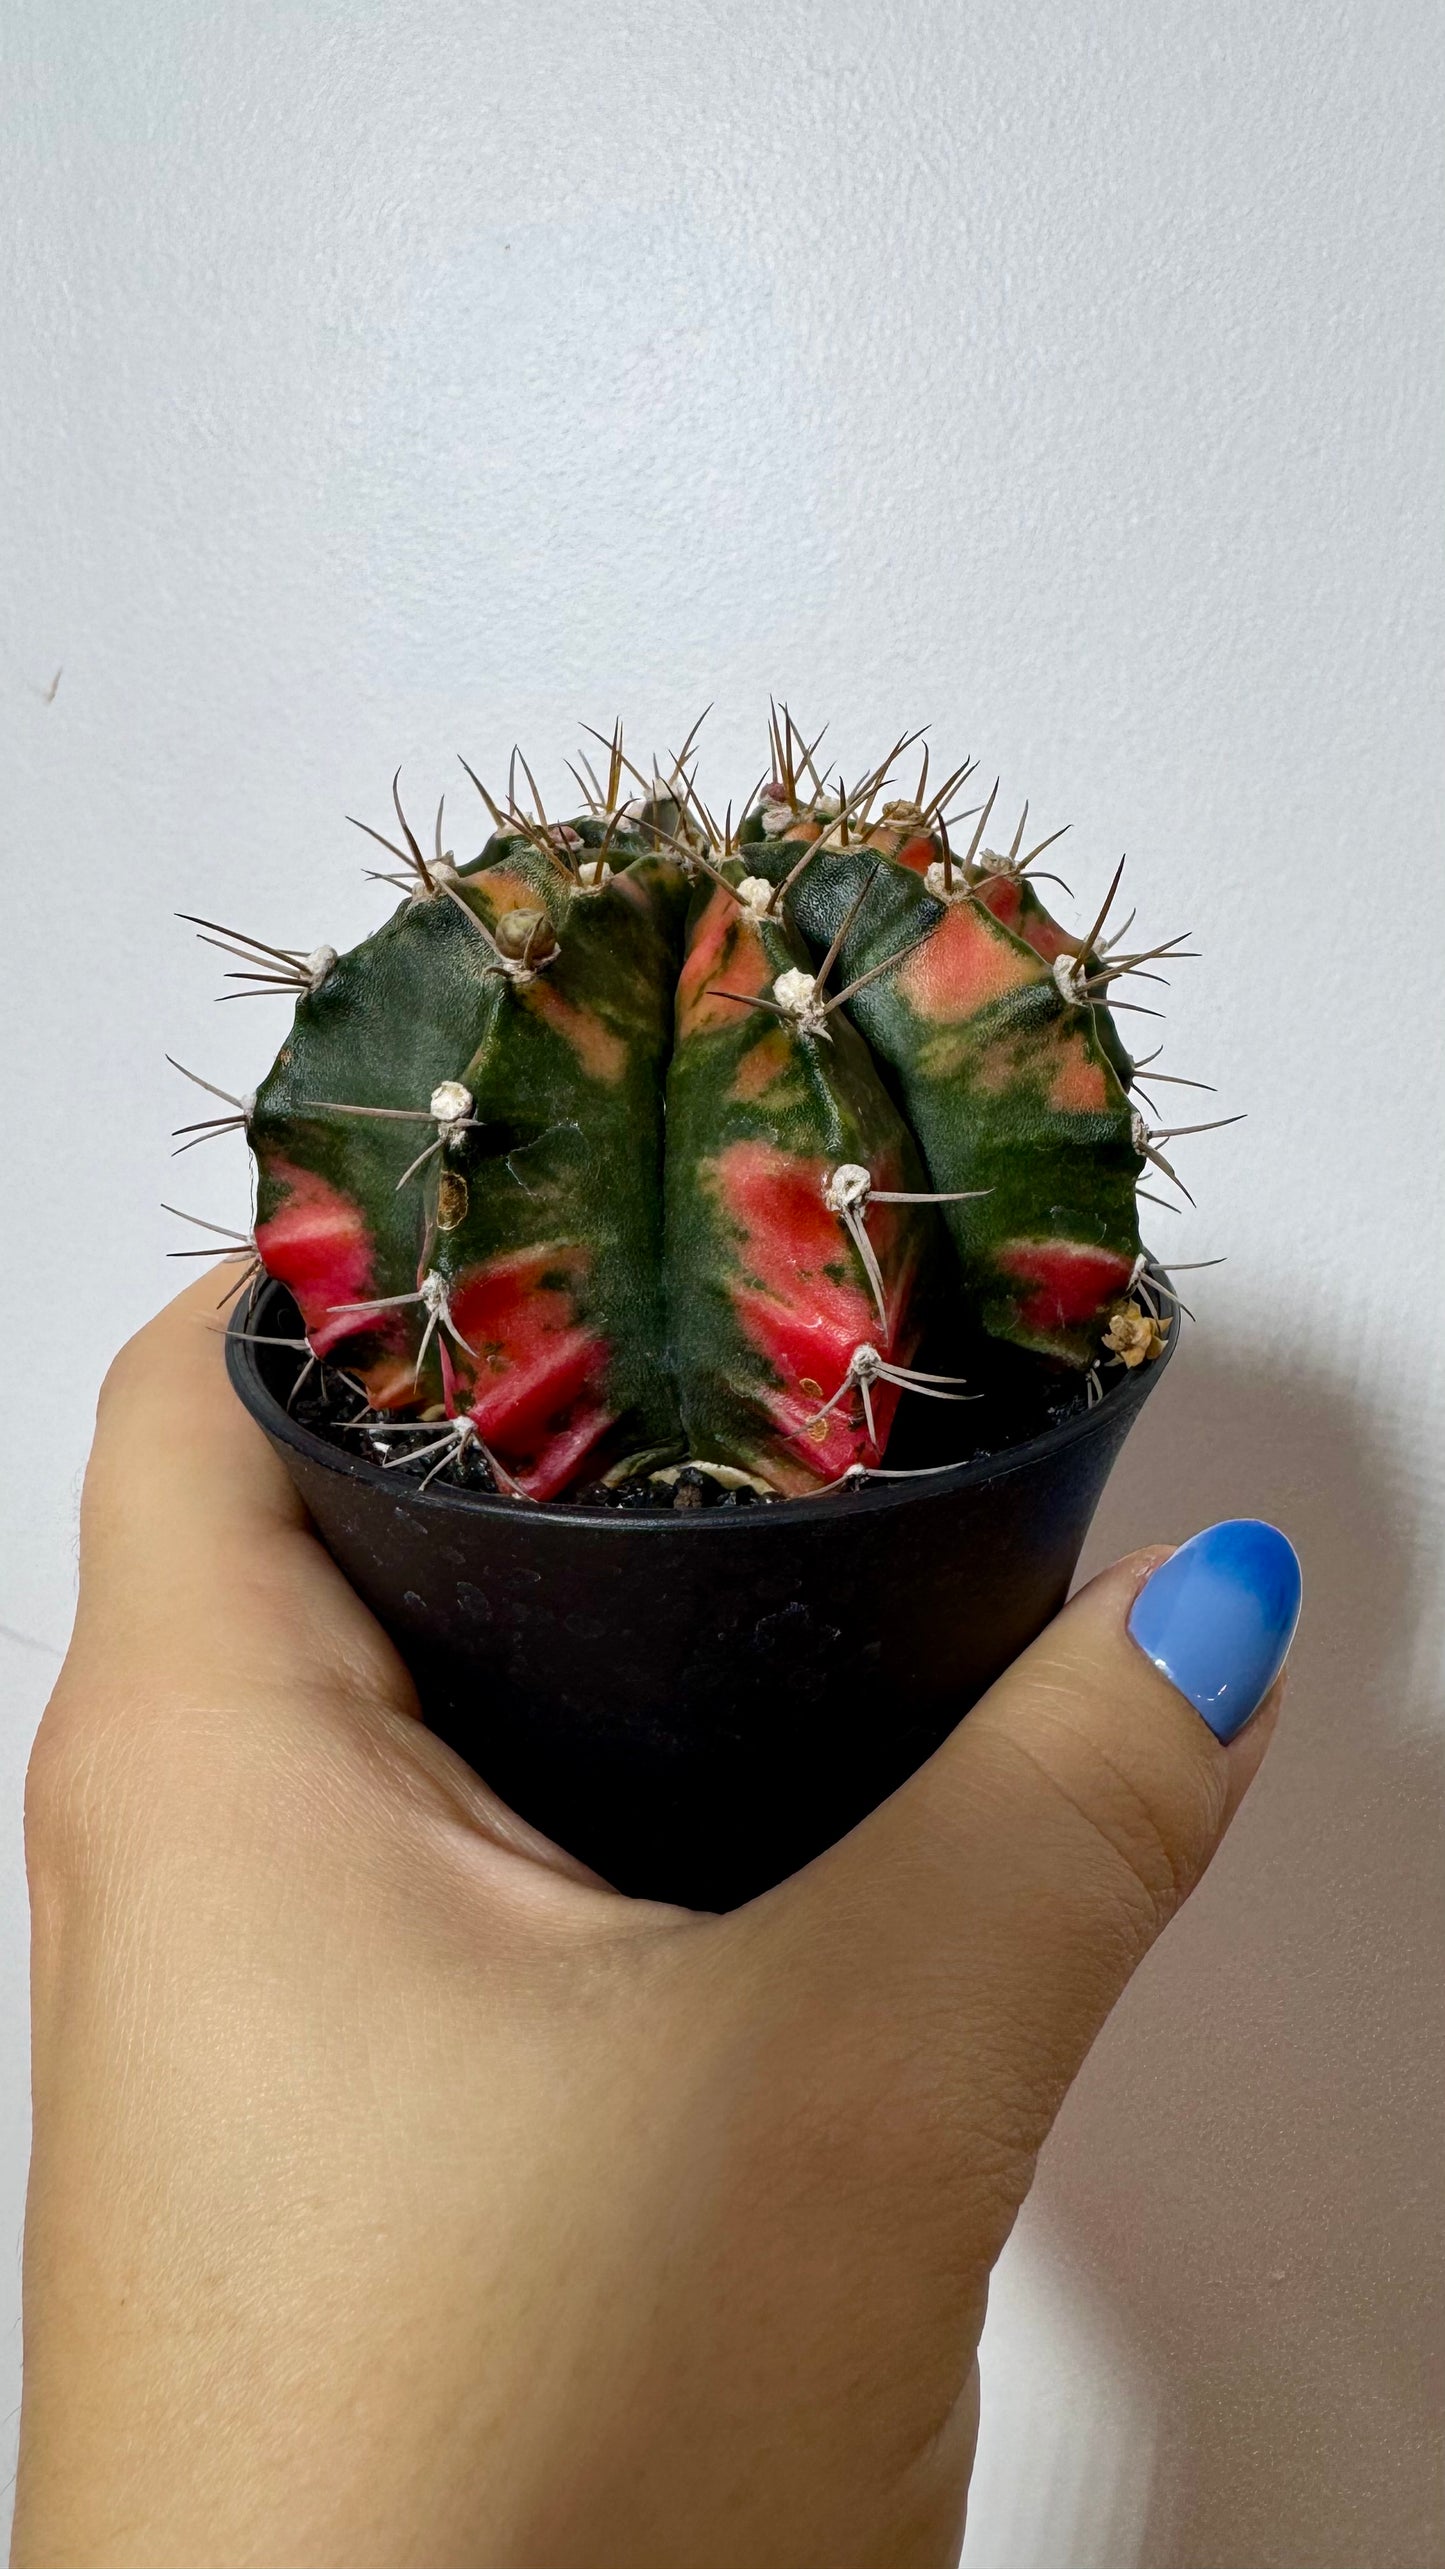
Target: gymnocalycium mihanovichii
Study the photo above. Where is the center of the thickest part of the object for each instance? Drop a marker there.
(639, 1140)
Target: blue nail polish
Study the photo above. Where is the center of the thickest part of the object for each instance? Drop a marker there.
(1218, 1617)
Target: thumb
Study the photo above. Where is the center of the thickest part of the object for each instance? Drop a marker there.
(994, 1909)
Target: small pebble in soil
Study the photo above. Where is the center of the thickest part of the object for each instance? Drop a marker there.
(640, 1495)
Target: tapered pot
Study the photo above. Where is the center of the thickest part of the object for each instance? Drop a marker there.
(696, 1703)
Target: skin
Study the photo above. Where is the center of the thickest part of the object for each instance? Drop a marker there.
(403, 2198)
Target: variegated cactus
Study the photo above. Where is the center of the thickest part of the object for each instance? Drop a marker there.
(634, 1143)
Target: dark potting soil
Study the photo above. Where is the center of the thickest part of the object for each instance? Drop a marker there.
(1014, 1397)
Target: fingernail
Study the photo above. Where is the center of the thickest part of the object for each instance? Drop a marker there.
(1217, 1618)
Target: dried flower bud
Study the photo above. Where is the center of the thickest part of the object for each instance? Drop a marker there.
(525, 935)
(1135, 1336)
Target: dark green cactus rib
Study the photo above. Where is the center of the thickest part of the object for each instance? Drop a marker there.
(548, 1220)
(390, 1021)
(768, 1293)
(524, 1256)
(1008, 1086)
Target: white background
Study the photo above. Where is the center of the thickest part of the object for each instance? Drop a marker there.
(384, 382)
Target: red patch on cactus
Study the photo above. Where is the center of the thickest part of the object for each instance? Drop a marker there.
(798, 1302)
(801, 1351)
(571, 1441)
(496, 892)
(961, 966)
(721, 947)
(1003, 897)
(602, 1054)
(531, 1357)
(1067, 1286)
(788, 1238)
(1080, 1085)
(917, 853)
(320, 1247)
(770, 1058)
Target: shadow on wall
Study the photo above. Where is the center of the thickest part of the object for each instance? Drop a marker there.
(1247, 2173)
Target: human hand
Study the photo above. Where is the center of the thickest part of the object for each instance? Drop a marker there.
(402, 2198)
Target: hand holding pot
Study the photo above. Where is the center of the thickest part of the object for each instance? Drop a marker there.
(401, 2194)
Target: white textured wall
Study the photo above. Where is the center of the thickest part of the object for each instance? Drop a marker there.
(384, 381)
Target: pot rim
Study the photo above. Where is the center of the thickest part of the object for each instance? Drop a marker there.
(1120, 1398)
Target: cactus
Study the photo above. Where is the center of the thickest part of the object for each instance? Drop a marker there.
(514, 1022)
(633, 1144)
(1009, 1087)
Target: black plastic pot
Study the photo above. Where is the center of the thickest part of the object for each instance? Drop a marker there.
(697, 1703)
